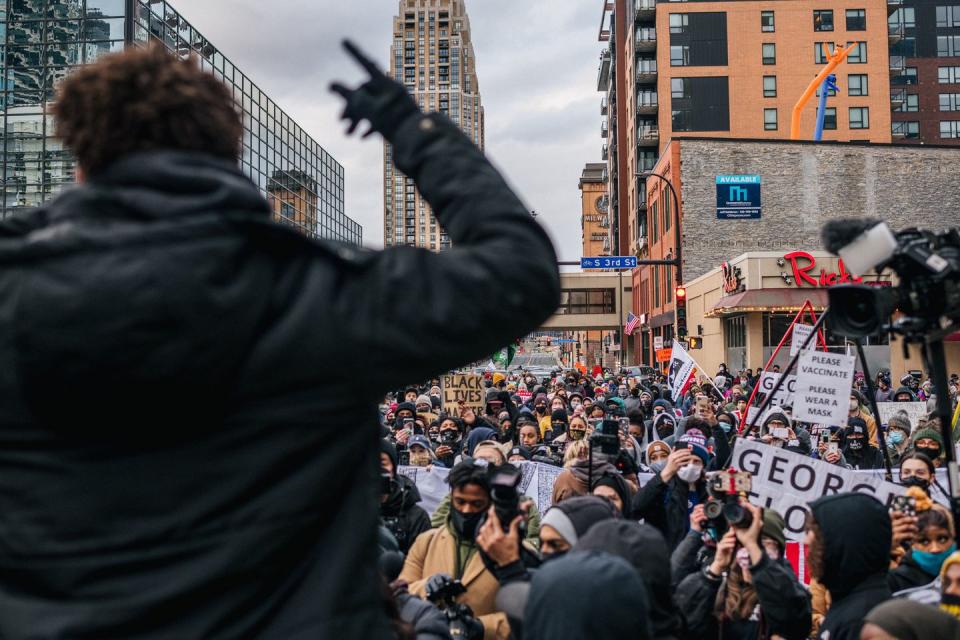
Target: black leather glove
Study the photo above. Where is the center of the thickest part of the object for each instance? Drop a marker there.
(437, 582)
(384, 102)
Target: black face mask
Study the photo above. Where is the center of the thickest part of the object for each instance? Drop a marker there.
(950, 600)
(855, 445)
(665, 430)
(449, 436)
(914, 481)
(508, 435)
(466, 524)
(931, 453)
(558, 428)
(541, 408)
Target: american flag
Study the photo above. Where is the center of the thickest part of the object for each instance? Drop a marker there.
(632, 323)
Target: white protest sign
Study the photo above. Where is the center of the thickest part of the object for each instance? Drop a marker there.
(823, 388)
(916, 411)
(658, 342)
(768, 380)
(787, 482)
(800, 334)
(681, 371)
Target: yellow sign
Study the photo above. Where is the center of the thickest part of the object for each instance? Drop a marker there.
(463, 389)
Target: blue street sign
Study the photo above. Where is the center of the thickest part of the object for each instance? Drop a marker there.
(738, 198)
(609, 262)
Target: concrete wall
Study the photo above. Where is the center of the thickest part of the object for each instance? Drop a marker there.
(806, 184)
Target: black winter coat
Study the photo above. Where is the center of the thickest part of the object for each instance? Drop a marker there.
(188, 391)
(785, 608)
(908, 575)
(871, 458)
(401, 515)
(664, 505)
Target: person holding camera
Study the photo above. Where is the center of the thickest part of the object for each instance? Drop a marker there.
(667, 500)
(450, 441)
(749, 590)
(451, 551)
(858, 452)
(399, 511)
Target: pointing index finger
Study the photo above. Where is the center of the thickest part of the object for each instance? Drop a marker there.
(360, 57)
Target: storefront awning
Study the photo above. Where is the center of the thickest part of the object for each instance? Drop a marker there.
(771, 300)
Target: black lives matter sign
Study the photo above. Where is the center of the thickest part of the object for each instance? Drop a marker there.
(463, 389)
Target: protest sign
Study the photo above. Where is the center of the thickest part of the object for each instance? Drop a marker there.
(768, 380)
(916, 411)
(823, 388)
(787, 481)
(465, 388)
(799, 336)
(681, 371)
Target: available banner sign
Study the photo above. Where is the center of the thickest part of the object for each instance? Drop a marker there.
(823, 388)
(465, 388)
(738, 198)
(788, 481)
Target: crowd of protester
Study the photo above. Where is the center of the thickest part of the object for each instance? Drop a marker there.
(626, 550)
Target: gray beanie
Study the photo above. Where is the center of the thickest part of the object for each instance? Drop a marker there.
(900, 420)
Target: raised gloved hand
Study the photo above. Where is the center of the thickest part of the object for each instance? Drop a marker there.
(437, 583)
(382, 101)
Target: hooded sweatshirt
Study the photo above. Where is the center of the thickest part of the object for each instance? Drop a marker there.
(857, 536)
(587, 595)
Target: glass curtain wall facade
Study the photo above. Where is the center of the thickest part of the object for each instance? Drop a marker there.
(43, 40)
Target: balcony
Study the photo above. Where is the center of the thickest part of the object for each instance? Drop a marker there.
(894, 33)
(897, 99)
(603, 129)
(645, 9)
(647, 102)
(648, 135)
(605, 153)
(603, 77)
(603, 105)
(646, 71)
(646, 39)
(898, 64)
(893, 5)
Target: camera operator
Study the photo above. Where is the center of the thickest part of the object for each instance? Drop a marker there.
(451, 550)
(667, 500)
(399, 496)
(749, 590)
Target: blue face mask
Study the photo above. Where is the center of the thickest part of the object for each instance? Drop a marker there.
(931, 562)
(895, 437)
(726, 426)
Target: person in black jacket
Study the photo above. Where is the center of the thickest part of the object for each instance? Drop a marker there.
(858, 452)
(189, 453)
(759, 596)
(849, 537)
(399, 512)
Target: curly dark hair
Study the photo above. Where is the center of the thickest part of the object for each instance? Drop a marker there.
(816, 555)
(145, 99)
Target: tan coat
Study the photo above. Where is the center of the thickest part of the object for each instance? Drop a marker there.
(434, 552)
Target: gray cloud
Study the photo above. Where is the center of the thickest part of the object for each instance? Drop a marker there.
(537, 65)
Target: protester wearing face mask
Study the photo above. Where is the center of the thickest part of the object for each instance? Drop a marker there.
(950, 585)
(507, 432)
(779, 431)
(399, 496)
(451, 441)
(859, 454)
(656, 456)
(665, 425)
(917, 470)
(929, 442)
(857, 410)
(898, 436)
(452, 550)
(760, 597)
(577, 472)
(668, 498)
(907, 620)
(576, 401)
(931, 543)
(558, 426)
(614, 488)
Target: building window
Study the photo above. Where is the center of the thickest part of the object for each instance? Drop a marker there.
(769, 53)
(586, 301)
(907, 47)
(679, 56)
(679, 22)
(950, 102)
(830, 118)
(770, 119)
(766, 21)
(948, 46)
(911, 103)
(856, 20)
(859, 117)
(287, 211)
(948, 75)
(905, 129)
(820, 52)
(859, 54)
(948, 16)
(857, 84)
(769, 86)
(904, 17)
(823, 20)
(679, 88)
(909, 76)
(950, 128)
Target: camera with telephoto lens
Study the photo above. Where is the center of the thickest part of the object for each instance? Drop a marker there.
(547, 454)
(504, 494)
(460, 619)
(724, 507)
(926, 263)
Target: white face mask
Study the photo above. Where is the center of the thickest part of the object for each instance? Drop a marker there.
(575, 404)
(854, 405)
(689, 473)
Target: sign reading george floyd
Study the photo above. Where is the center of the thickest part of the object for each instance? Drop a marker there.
(787, 482)
(824, 382)
(463, 388)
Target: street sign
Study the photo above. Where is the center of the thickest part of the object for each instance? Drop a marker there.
(609, 262)
(738, 198)
(658, 342)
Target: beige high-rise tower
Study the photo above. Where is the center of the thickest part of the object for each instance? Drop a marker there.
(432, 55)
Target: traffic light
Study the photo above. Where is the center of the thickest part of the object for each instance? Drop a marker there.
(696, 342)
(681, 293)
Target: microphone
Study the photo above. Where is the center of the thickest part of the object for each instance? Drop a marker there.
(862, 244)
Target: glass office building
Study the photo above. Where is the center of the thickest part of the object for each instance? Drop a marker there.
(43, 40)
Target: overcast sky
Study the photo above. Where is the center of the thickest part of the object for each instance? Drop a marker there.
(537, 66)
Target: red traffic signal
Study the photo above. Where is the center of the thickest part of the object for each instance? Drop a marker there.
(681, 293)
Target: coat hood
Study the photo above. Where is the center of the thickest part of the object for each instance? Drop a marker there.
(857, 536)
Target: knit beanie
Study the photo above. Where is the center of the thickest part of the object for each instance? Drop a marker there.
(574, 516)
(773, 525)
(388, 448)
(928, 433)
(900, 420)
(695, 440)
(424, 399)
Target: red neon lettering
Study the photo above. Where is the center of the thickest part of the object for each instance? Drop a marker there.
(801, 274)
